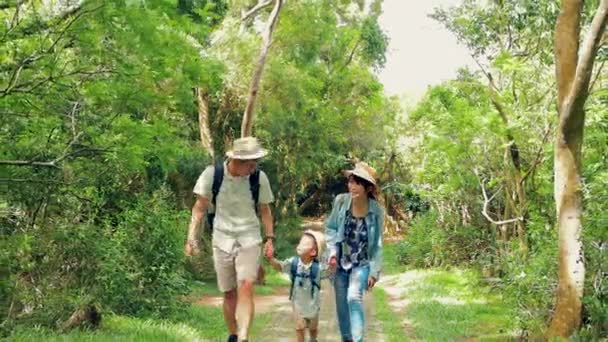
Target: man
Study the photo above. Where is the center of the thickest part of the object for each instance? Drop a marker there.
(236, 230)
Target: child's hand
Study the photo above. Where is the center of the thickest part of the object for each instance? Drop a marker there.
(268, 253)
(333, 262)
(371, 281)
(268, 249)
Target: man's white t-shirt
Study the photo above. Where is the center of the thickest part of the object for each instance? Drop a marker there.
(236, 223)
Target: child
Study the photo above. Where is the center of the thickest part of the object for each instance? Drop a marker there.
(306, 273)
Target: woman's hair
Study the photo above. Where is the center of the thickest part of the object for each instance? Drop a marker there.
(373, 194)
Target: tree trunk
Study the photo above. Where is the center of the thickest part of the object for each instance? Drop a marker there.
(518, 201)
(247, 124)
(573, 76)
(203, 120)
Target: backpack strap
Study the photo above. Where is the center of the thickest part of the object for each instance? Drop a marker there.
(254, 187)
(218, 178)
(292, 274)
(314, 271)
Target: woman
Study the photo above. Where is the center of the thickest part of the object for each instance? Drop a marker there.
(354, 237)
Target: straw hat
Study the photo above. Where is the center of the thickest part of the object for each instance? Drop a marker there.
(246, 148)
(364, 171)
(319, 239)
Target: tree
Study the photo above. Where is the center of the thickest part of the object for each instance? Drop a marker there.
(257, 75)
(573, 66)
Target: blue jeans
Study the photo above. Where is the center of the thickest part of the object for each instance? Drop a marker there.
(349, 286)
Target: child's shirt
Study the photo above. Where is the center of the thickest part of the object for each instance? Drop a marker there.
(305, 301)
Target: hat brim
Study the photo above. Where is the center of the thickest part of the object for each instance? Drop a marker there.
(361, 175)
(319, 240)
(246, 156)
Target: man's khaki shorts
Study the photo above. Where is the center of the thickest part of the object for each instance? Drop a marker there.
(233, 268)
(303, 323)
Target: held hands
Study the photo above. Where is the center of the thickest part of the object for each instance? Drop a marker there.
(268, 249)
(333, 263)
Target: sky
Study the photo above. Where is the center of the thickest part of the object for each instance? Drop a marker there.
(421, 51)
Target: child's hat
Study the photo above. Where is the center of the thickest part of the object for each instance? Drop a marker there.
(319, 239)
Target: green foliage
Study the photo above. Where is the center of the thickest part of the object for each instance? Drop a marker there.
(93, 224)
(463, 135)
(133, 267)
(529, 282)
(320, 100)
(524, 26)
(430, 244)
(375, 43)
(595, 236)
(149, 276)
(99, 119)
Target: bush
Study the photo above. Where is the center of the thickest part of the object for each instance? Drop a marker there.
(133, 267)
(429, 244)
(149, 273)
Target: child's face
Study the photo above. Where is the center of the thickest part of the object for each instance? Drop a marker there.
(306, 247)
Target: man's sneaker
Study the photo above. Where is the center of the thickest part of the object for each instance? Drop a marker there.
(233, 338)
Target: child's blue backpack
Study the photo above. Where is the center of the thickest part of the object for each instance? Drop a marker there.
(314, 271)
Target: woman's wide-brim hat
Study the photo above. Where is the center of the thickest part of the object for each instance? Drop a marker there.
(364, 171)
(247, 148)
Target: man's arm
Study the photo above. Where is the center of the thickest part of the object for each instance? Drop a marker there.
(266, 216)
(198, 212)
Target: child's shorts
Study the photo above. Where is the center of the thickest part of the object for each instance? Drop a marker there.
(303, 323)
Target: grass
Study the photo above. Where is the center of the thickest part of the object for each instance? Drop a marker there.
(194, 323)
(441, 305)
(392, 328)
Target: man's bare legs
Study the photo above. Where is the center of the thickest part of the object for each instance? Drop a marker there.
(229, 310)
(244, 308)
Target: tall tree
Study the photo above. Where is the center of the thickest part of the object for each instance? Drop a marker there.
(259, 69)
(573, 66)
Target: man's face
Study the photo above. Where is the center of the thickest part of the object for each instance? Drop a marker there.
(245, 167)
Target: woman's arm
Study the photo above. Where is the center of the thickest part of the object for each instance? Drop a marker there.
(376, 259)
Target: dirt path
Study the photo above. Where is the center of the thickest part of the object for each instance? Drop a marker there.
(281, 326)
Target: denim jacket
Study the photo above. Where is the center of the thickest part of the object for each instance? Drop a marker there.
(334, 230)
